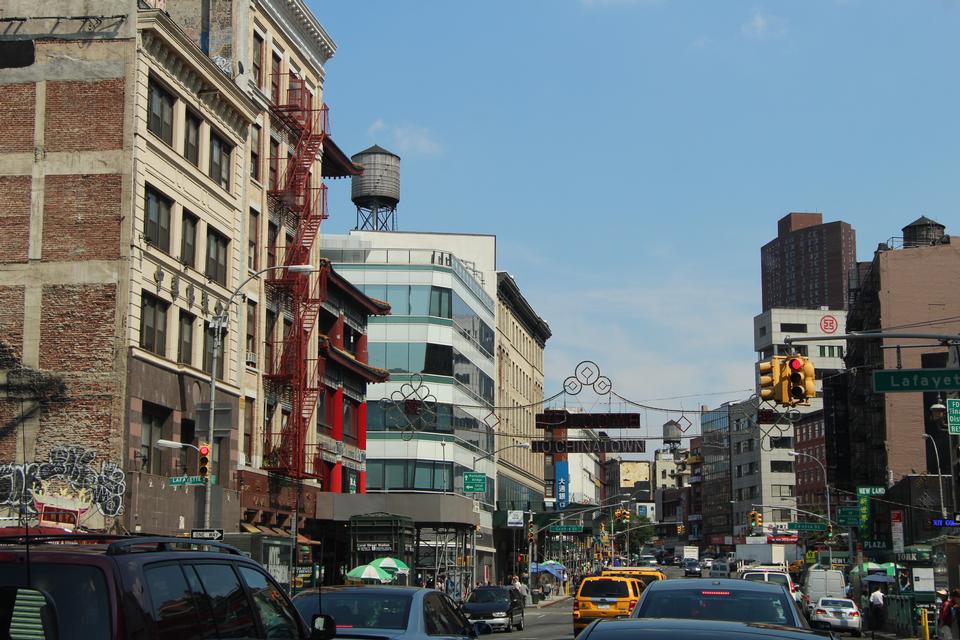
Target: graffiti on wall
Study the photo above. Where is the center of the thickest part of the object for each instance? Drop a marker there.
(70, 478)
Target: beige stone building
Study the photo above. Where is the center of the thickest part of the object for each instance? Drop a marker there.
(521, 337)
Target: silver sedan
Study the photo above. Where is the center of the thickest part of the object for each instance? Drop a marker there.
(837, 614)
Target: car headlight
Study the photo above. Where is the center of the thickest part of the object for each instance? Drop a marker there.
(499, 614)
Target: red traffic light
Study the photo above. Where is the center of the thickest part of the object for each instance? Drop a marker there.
(204, 450)
(795, 363)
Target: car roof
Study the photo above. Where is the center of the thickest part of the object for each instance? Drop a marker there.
(354, 588)
(693, 629)
(733, 584)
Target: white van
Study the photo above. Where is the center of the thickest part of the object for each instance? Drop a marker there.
(823, 583)
(722, 569)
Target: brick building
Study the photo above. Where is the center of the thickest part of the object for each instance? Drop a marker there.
(152, 165)
(807, 265)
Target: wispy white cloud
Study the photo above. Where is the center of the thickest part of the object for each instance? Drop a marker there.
(764, 26)
(405, 138)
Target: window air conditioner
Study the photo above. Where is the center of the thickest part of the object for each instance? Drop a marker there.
(251, 359)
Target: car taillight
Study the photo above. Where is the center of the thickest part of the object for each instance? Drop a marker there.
(821, 612)
(854, 614)
(794, 588)
(633, 603)
(714, 593)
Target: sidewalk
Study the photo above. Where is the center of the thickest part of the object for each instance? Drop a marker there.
(886, 635)
(552, 600)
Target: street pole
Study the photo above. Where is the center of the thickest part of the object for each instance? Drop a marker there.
(530, 560)
(826, 485)
(293, 533)
(936, 454)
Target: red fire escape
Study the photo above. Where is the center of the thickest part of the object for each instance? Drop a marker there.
(293, 377)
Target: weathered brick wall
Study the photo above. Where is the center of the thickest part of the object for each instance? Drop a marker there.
(84, 116)
(81, 217)
(14, 217)
(77, 328)
(16, 118)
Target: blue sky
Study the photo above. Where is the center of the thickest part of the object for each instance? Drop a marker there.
(633, 155)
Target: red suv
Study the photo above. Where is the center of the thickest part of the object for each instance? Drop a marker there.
(95, 587)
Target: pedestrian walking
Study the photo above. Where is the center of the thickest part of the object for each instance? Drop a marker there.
(948, 622)
(876, 609)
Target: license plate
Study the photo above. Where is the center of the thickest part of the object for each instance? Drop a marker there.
(603, 606)
(837, 614)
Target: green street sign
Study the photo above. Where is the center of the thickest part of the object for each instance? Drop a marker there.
(871, 491)
(807, 526)
(566, 528)
(848, 516)
(180, 481)
(474, 482)
(953, 416)
(892, 380)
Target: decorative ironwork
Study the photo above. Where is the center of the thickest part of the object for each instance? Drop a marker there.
(587, 374)
(773, 423)
(412, 404)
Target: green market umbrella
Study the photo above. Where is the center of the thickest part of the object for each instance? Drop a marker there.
(390, 564)
(369, 572)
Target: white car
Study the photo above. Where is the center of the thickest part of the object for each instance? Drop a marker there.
(837, 614)
(777, 577)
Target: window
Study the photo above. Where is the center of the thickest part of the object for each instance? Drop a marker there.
(273, 177)
(253, 237)
(174, 612)
(793, 327)
(781, 515)
(275, 78)
(185, 341)
(156, 223)
(153, 324)
(278, 620)
(227, 600)
(781, 466)
(191, 139)
(217, 256)
(188, 239)
(273, 232)
(188, 433)
(208, 339)
(258, 59)
(255, 152)
(349, 420)
(220, 151)
(268, 351)
(151, 430)
(160, 116)
(251, 328)
(249, 406)
(782, 490)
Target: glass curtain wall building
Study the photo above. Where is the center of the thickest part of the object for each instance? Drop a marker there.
(429, 423)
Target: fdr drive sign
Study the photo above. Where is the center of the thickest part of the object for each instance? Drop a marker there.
(589, 446)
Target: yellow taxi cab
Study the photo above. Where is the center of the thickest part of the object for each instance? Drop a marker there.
(604, 597)
(646, 575)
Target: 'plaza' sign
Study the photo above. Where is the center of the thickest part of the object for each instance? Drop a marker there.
(589, 446)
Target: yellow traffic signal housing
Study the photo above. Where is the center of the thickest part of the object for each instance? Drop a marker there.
(203, 461)
(752, 518)
(770, 386)
(801, 380)
(759, 518)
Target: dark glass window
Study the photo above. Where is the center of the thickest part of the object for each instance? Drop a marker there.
(255, 152)
(781, 466)
(226, 598)
(174, 612)
(441, 302)
(438, 359)
(253, 241)
(188, 239)
(160, 120)
(153, 324)
(273, 233)
(794, 327)
(275, 78)
(151, 430)
(185, 342)
(252, 329)
(278, 620)
(191, 139)
(208, 338)
(79, 591)
(258, 59)
(249, 406)
(220, 151)
(270, 323)
(156, 224)
(217, 245)
(274, 177)
(349, 420)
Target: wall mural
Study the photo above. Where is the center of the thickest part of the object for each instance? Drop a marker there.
(70, 480)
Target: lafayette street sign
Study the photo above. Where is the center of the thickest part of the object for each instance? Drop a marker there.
(890, 380)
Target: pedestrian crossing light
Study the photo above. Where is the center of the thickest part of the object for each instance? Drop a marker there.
(203, 461)
(771, 387)
(802, 380)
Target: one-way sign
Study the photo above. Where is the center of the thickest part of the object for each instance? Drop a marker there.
(207, 534)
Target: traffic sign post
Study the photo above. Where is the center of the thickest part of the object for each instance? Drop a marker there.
(566, 528)
(474, 482)
(207, 534)
(180, 481)
(807, 526)
(953, 416)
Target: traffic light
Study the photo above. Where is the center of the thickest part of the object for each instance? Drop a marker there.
(203, 461)
(830, 530)
(679, 529)
(752, 518)
(531, 532)
(770, 384)
(802, 383)
(759, 518)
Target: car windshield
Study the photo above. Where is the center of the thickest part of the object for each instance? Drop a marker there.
(604, 589)
(489, 595)
(846, 604)
(79, 593)
(716, 604)
(357, 609)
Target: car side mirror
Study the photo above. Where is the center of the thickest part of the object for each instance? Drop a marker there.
(37, 611)
(323, 627)
(481, 628)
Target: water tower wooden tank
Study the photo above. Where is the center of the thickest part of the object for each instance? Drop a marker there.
(376, 192)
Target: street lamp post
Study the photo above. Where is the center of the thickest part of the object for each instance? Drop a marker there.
(936, 453)
(826, 485)
(219, 323)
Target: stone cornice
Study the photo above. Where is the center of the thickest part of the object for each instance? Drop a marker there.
(306, 33)
(169, 47)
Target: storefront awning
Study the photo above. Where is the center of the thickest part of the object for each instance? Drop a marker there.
(249, 528)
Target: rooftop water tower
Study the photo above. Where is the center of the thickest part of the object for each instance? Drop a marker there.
(376, 192)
